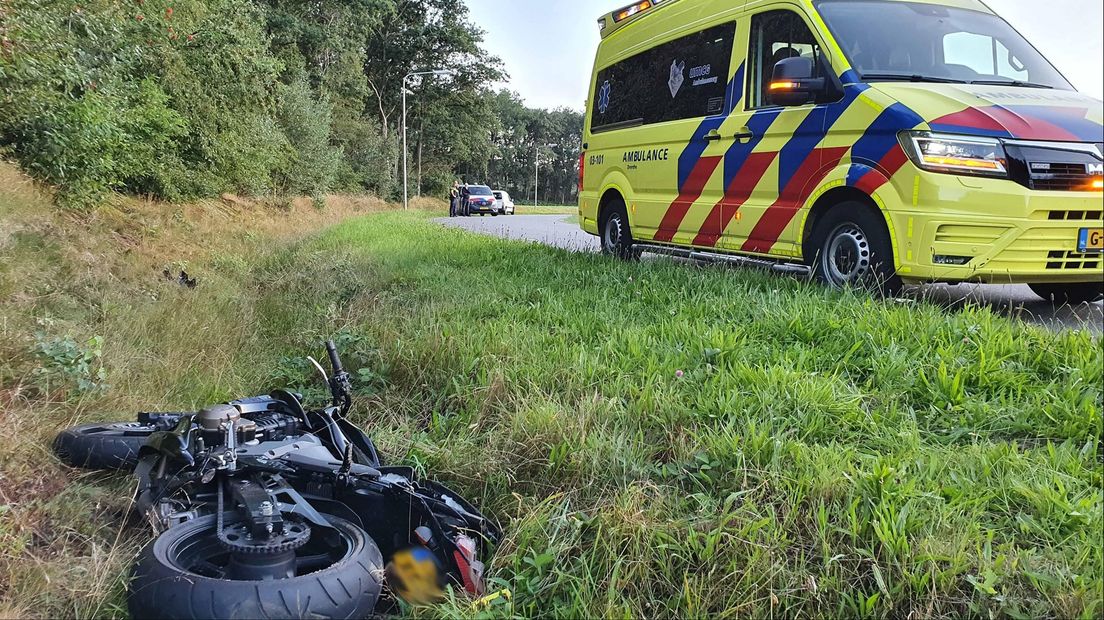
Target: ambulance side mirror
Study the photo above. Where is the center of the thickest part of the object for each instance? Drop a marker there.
(793, 82)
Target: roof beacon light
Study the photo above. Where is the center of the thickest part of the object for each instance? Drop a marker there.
(632, 9)
(611, 22)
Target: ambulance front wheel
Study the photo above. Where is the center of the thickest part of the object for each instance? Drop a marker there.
(615, 232)
(853, 250)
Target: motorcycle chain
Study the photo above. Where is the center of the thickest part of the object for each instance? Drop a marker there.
(237, 539)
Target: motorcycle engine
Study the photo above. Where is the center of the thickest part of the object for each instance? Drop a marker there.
(257, 427)
(212, 418)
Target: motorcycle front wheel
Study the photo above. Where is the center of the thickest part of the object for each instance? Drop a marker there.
(105, 446)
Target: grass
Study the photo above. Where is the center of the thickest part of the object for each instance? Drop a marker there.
(657, 439)
(528, 209)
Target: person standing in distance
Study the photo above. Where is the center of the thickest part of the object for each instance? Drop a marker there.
(464, 196)
(454, 199)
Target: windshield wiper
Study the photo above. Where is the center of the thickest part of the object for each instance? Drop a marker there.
(1012, 83)
(904, 77)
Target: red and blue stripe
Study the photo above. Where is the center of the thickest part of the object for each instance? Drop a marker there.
(1023, 122)
(694, 169)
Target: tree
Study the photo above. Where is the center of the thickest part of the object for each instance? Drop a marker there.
(189, 98)
(521, 135)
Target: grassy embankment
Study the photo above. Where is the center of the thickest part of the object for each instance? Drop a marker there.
(658, 440)
(523, 209)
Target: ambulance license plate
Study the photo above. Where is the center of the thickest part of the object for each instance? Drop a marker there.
(1091, 240)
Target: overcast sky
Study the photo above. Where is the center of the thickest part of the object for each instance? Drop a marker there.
(548, 46)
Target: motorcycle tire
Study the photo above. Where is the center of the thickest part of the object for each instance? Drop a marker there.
(105, 446)
(168, 580)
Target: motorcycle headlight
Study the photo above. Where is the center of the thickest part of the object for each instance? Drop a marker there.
(953, 154)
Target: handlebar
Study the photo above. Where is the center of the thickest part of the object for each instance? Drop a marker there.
(335, 361)
(340, 383)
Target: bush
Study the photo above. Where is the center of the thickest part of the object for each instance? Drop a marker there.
(224, 83)
(305, 121)
(180, 99)
(369, 159)
(61, 109)
(112, 96)
(64, 362)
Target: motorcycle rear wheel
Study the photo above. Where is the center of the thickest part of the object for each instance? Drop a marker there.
(180, 576)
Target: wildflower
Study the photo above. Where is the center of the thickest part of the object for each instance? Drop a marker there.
(679, 374)
(140, 17)
(168, 13)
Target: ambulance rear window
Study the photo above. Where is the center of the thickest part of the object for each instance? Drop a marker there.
(685, 78)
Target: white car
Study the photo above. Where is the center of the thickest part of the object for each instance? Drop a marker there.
(504, 203)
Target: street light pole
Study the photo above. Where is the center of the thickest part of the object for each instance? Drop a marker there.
(436, 72)
(406, 198)
(536, 170)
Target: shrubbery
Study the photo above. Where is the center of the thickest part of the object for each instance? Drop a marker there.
(179, 99)
(175, 99)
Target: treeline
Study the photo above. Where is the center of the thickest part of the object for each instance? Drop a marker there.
(523, 137)
(180, 99)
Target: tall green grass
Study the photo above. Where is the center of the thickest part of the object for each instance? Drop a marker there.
(677, 441)
(657, 439)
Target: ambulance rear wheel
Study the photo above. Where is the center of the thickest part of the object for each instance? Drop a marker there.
(1073, 294)
(616, 235)
(853, 250)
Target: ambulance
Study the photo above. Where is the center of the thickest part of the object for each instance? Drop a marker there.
(869, 143)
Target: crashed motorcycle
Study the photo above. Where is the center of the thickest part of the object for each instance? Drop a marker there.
(265, 509)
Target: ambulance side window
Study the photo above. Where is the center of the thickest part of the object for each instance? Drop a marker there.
(682, 79)
(777, 35)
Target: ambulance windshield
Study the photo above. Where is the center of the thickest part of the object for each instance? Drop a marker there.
(922, 42)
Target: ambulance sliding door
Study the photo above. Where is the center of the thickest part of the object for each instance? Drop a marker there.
(776, 152)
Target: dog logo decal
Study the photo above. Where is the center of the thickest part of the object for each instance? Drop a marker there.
(677, 77)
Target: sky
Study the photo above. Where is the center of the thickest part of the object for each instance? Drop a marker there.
(548, 46)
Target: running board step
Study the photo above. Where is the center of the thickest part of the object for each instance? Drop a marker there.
(730, 259)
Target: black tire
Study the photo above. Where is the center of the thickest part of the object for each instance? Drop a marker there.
(615, 232)
(108, 446)
(850, 247)
(1072, 294)
(160, 587)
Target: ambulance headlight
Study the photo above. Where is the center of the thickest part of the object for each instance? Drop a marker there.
(954, 154)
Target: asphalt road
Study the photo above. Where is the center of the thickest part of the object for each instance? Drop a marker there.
(1010, 300)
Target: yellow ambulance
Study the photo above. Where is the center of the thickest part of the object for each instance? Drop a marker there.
(869, 142)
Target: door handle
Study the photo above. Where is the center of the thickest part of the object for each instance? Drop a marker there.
(744, 134)
(713, 136)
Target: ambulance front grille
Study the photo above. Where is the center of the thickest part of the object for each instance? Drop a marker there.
(1060, 259)
(1074, 216)
(1060, 177)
